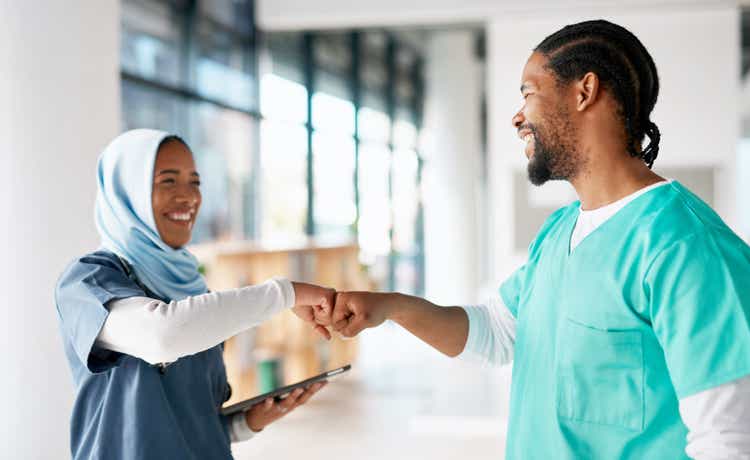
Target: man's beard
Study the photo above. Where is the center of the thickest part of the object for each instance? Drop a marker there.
(555, 155)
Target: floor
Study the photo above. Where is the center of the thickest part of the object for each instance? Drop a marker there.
(402, 400)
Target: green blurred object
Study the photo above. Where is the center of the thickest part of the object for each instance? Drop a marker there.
(269, 374)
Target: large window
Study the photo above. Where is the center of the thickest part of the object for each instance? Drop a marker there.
(284, 180)
(224, 65)
(296, 134)
(189, 68)
(375, 202)
(151, 38)
(406, 244)
(223, 144)
(333, 122)
(284, 139)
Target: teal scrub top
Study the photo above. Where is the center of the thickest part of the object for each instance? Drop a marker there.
(652, 306)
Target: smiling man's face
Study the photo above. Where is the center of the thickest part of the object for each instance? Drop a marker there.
(544, 124)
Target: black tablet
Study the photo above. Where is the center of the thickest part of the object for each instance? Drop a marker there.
(283, 392)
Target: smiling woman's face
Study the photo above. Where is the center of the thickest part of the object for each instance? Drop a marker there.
(176, 195)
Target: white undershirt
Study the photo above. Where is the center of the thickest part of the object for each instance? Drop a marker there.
(159, 332)
(588, 221)
(718, 419)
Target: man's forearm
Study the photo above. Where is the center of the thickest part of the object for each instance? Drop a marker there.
(443, 328)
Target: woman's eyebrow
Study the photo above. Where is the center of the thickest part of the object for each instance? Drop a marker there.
(168, 171)
(175, 171)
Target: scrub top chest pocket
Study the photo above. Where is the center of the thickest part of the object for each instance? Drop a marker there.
(600, 376)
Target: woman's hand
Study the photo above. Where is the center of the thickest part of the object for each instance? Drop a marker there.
(314, 304)
(262, 414)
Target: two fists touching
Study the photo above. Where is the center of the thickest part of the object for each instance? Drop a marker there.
(318, 306)
(347, 313)
(444, 328)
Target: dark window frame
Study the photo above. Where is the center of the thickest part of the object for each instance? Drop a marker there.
(187, 13)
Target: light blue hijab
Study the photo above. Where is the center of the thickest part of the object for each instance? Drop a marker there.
(125, 218)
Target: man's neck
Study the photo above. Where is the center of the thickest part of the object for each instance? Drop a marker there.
(606, 182)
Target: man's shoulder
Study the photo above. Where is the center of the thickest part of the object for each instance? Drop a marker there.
(679, 214)
(676, 219)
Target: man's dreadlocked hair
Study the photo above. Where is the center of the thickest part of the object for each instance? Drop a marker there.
(622, 64)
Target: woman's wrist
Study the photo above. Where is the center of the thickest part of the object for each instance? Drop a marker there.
(306, 294)
(298, 290)
(288, 290)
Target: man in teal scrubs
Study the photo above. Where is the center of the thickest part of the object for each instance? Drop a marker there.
(629, 325)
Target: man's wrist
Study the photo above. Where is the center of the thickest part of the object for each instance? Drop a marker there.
(394, 305)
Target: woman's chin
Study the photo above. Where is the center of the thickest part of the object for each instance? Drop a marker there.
(177, 241)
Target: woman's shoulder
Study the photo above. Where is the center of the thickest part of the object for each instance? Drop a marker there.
(101, 258)
(100, 267)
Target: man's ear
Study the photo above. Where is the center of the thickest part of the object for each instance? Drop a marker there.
(587, 91)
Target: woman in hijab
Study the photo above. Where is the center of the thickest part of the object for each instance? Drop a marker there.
(142, 334)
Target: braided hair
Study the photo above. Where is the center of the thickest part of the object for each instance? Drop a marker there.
(622, 64)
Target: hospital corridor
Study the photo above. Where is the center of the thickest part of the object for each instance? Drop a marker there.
(375, 230)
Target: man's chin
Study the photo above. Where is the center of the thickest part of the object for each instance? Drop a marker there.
(538, 174)
(537, 182)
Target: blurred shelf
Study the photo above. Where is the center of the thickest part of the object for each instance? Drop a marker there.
(231, 264)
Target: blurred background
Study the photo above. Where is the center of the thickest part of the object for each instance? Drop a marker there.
(361, 145)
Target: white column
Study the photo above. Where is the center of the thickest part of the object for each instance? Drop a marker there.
(452, 147)
(59, 84)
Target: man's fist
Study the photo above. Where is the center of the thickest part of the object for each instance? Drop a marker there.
(355, 311)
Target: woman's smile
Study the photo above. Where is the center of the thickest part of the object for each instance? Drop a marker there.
(182, 218)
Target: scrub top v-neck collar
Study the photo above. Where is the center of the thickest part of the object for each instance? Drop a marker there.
(614, 209)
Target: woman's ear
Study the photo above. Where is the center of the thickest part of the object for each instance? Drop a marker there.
(587, 91)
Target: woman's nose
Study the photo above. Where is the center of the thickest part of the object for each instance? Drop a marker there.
(187, 195)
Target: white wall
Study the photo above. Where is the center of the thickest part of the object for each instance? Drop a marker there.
(696, 51)
(301, 14)
(59, 84)
(451, 146)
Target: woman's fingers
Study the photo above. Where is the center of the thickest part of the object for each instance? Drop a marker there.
(323, 331)
(290, 401)
(322, 312)
(310, 392)
(269, 410)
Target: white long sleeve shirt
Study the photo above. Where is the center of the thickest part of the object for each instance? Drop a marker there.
(159, 332)
(718, 419)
